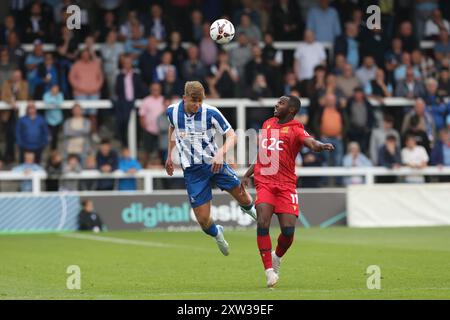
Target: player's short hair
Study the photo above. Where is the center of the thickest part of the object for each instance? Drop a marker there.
(195, 90)
(294, 102)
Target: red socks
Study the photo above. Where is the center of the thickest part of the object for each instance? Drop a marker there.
(265, 249)
(284, 243)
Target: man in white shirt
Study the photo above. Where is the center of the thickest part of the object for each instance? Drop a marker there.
(307, 56)
(415, 157)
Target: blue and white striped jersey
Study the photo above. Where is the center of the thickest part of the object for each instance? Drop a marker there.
(195, 133)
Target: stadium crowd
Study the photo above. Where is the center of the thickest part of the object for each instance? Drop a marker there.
(130, 50)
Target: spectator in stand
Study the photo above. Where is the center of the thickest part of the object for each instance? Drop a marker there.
(331, 124)
(247, 7)
(377, 88)
(174, 46)
(36, 26)
(324, 22)
(246, 26)
(157, 26)
(435, 24)
(67, 49)
(256, 66)
(426, 122)
(208, 48)
(128, 165)
(6, 28)
(374, 43)
(107, 162)
(436, 105)
(444, 83)
(54, 170)
(126, 27)
(273, 58)
(354, 158)
(410, 87)
(89, 163)
(307, 56)
(224, 77)
(27, 167)
(32, 62)
(406, 34)
(172, 87)
(440, 156)
(361, 119)
(378, 137)
(71, 165)
(260, 88)
(331, 87)
(193, 69)
(76, 133)
(88, 219)
(367, 71)
(149, 59)
(393, 58)
(415, 157)
(111, 52)
(423, 63)
(6, 66)
(290, 83)
(339, 63)
(47, 76)
(163, 68)
(442, 47)
(53, 100)
(400, 71)
(13, 90)
(240, 55)
(194, 33)
(286, 20)
(347, 82)
(135, 44)
(86, 79)
(32, 133)
(109, 24)
(420, 135)
(348, 45)
(129, 88)
(150, 110)
(389, 154)
(16, 53)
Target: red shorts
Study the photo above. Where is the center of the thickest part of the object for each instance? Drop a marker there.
(283, 198)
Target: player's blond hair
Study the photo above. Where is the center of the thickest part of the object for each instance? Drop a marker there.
(195, 90)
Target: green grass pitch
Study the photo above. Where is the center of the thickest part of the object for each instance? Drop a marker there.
(322, 264)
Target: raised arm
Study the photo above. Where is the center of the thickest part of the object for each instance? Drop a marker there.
(317, 146)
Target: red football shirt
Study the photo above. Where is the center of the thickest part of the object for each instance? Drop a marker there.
(278, 146)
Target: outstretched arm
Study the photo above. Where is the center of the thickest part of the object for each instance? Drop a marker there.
(246, 179)
(317, 146)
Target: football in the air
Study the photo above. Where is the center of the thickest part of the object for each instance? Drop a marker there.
(222, 31)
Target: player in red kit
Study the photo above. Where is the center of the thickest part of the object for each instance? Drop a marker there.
(280, 141)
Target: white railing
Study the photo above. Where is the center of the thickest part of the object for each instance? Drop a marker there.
(239, 104)
(148, 175)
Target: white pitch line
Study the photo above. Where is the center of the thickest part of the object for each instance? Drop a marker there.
(127, 241)
(147, 294)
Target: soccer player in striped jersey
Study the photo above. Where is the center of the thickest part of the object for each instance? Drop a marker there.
(193, 125)
(280, 141)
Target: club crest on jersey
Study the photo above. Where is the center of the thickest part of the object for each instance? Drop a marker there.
(285, 130)
(268, 127)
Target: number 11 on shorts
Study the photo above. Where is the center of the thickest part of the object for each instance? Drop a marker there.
(294, 197)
